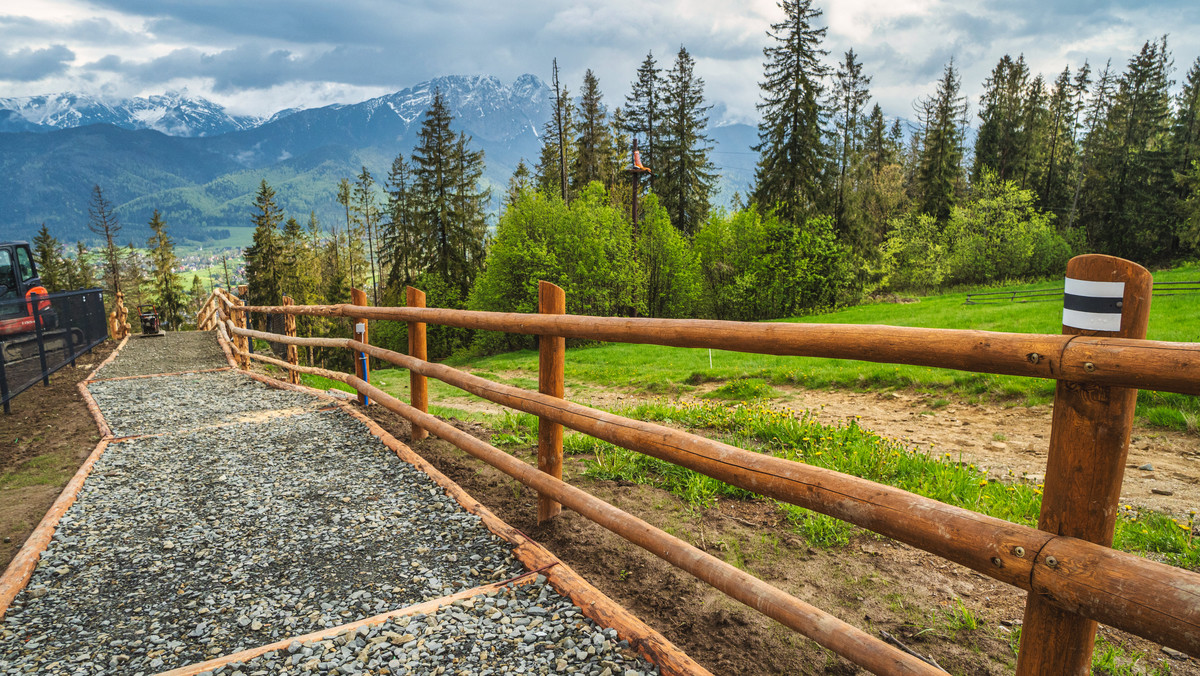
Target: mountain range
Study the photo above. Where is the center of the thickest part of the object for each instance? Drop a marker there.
(200, 166)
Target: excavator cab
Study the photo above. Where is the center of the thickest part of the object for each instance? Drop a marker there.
(19, 280)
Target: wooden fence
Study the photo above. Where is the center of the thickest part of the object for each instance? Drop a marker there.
(1067, 563)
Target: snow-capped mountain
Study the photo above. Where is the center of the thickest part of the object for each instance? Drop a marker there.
(173, 113)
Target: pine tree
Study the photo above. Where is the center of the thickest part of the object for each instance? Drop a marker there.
(80, 274)
(1059, 153)
(594, 145)
(133, 273)
(939, 163)
(1185, 130)
(1131, 186)
(1002, 144)
(264, 258)
(450, 207)
(48, 252)
(103, 222)
(343, 197)
(520, 181)
(644, 111)
(196, 294)
(399, 252)
(848, 101)
(558, 149)
(562, 118)
(686, 176)
(168, 290)
(792, 152)
(367, 210)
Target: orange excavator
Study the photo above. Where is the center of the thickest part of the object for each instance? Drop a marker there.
(18, 332)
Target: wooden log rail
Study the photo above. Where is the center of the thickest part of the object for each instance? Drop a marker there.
(1144, 364)
(1145, 598)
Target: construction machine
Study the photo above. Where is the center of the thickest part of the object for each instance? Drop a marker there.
(149, 316)
(19, 320)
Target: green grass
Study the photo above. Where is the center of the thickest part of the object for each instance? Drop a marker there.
(744, 389)
(669, 370)
(850, 449)
(52, 469)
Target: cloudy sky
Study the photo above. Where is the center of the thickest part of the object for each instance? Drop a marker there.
(260, 56)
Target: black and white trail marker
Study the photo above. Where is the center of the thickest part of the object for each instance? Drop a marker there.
(1093, 306)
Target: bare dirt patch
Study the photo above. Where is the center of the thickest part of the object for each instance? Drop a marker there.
(42, 443)
(873, 583)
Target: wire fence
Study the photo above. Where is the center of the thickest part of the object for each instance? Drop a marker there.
(41, 334)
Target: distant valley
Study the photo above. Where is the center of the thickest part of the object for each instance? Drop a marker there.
(200, 166)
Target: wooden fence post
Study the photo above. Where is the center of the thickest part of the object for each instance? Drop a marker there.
(362, 367)
(1089, 442)
(242, 320)
(551, 359)
(289, 329)
(418, 386)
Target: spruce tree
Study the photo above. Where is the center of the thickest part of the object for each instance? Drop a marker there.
(48, 252)
(594, 144)
(103, 222)
(133, 274)
(343, 198)
(451, 208)
(1131, 186)
(168, 290)
(520, 181)
(686, 175)
(1059, 144)
(1185, 129)
(80, 274)
(847, 101)
(939, 162)
(1002, 143)
(264, 258)
(791, 147)
(400, 256)
(643, 113)
(367, 211)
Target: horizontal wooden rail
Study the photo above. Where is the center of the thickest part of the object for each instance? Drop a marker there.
(1152, 600)
(829, 631)
(1144, 364)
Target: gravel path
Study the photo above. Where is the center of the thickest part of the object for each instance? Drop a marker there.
(182, 402)
(187, 546)
(175, 352)
(528, 629)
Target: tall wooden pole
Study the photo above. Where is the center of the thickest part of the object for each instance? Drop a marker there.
(1089, 442)
(418, 386)
(289, 329)
(362, 367)
(551, 359)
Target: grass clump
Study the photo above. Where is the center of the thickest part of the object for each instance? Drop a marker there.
(850, 449)
(744, 389)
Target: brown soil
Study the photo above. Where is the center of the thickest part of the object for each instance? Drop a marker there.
(48, 435)
(873, 583)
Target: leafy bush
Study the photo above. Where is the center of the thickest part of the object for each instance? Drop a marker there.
(585, 248)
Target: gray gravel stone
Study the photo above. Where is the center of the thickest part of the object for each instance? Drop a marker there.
(182, 402)
(177, 351)
(281, 525)
(466, 638)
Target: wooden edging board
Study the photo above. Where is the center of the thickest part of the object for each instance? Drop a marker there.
(592, 602)
(20, 569)
(326, 634)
